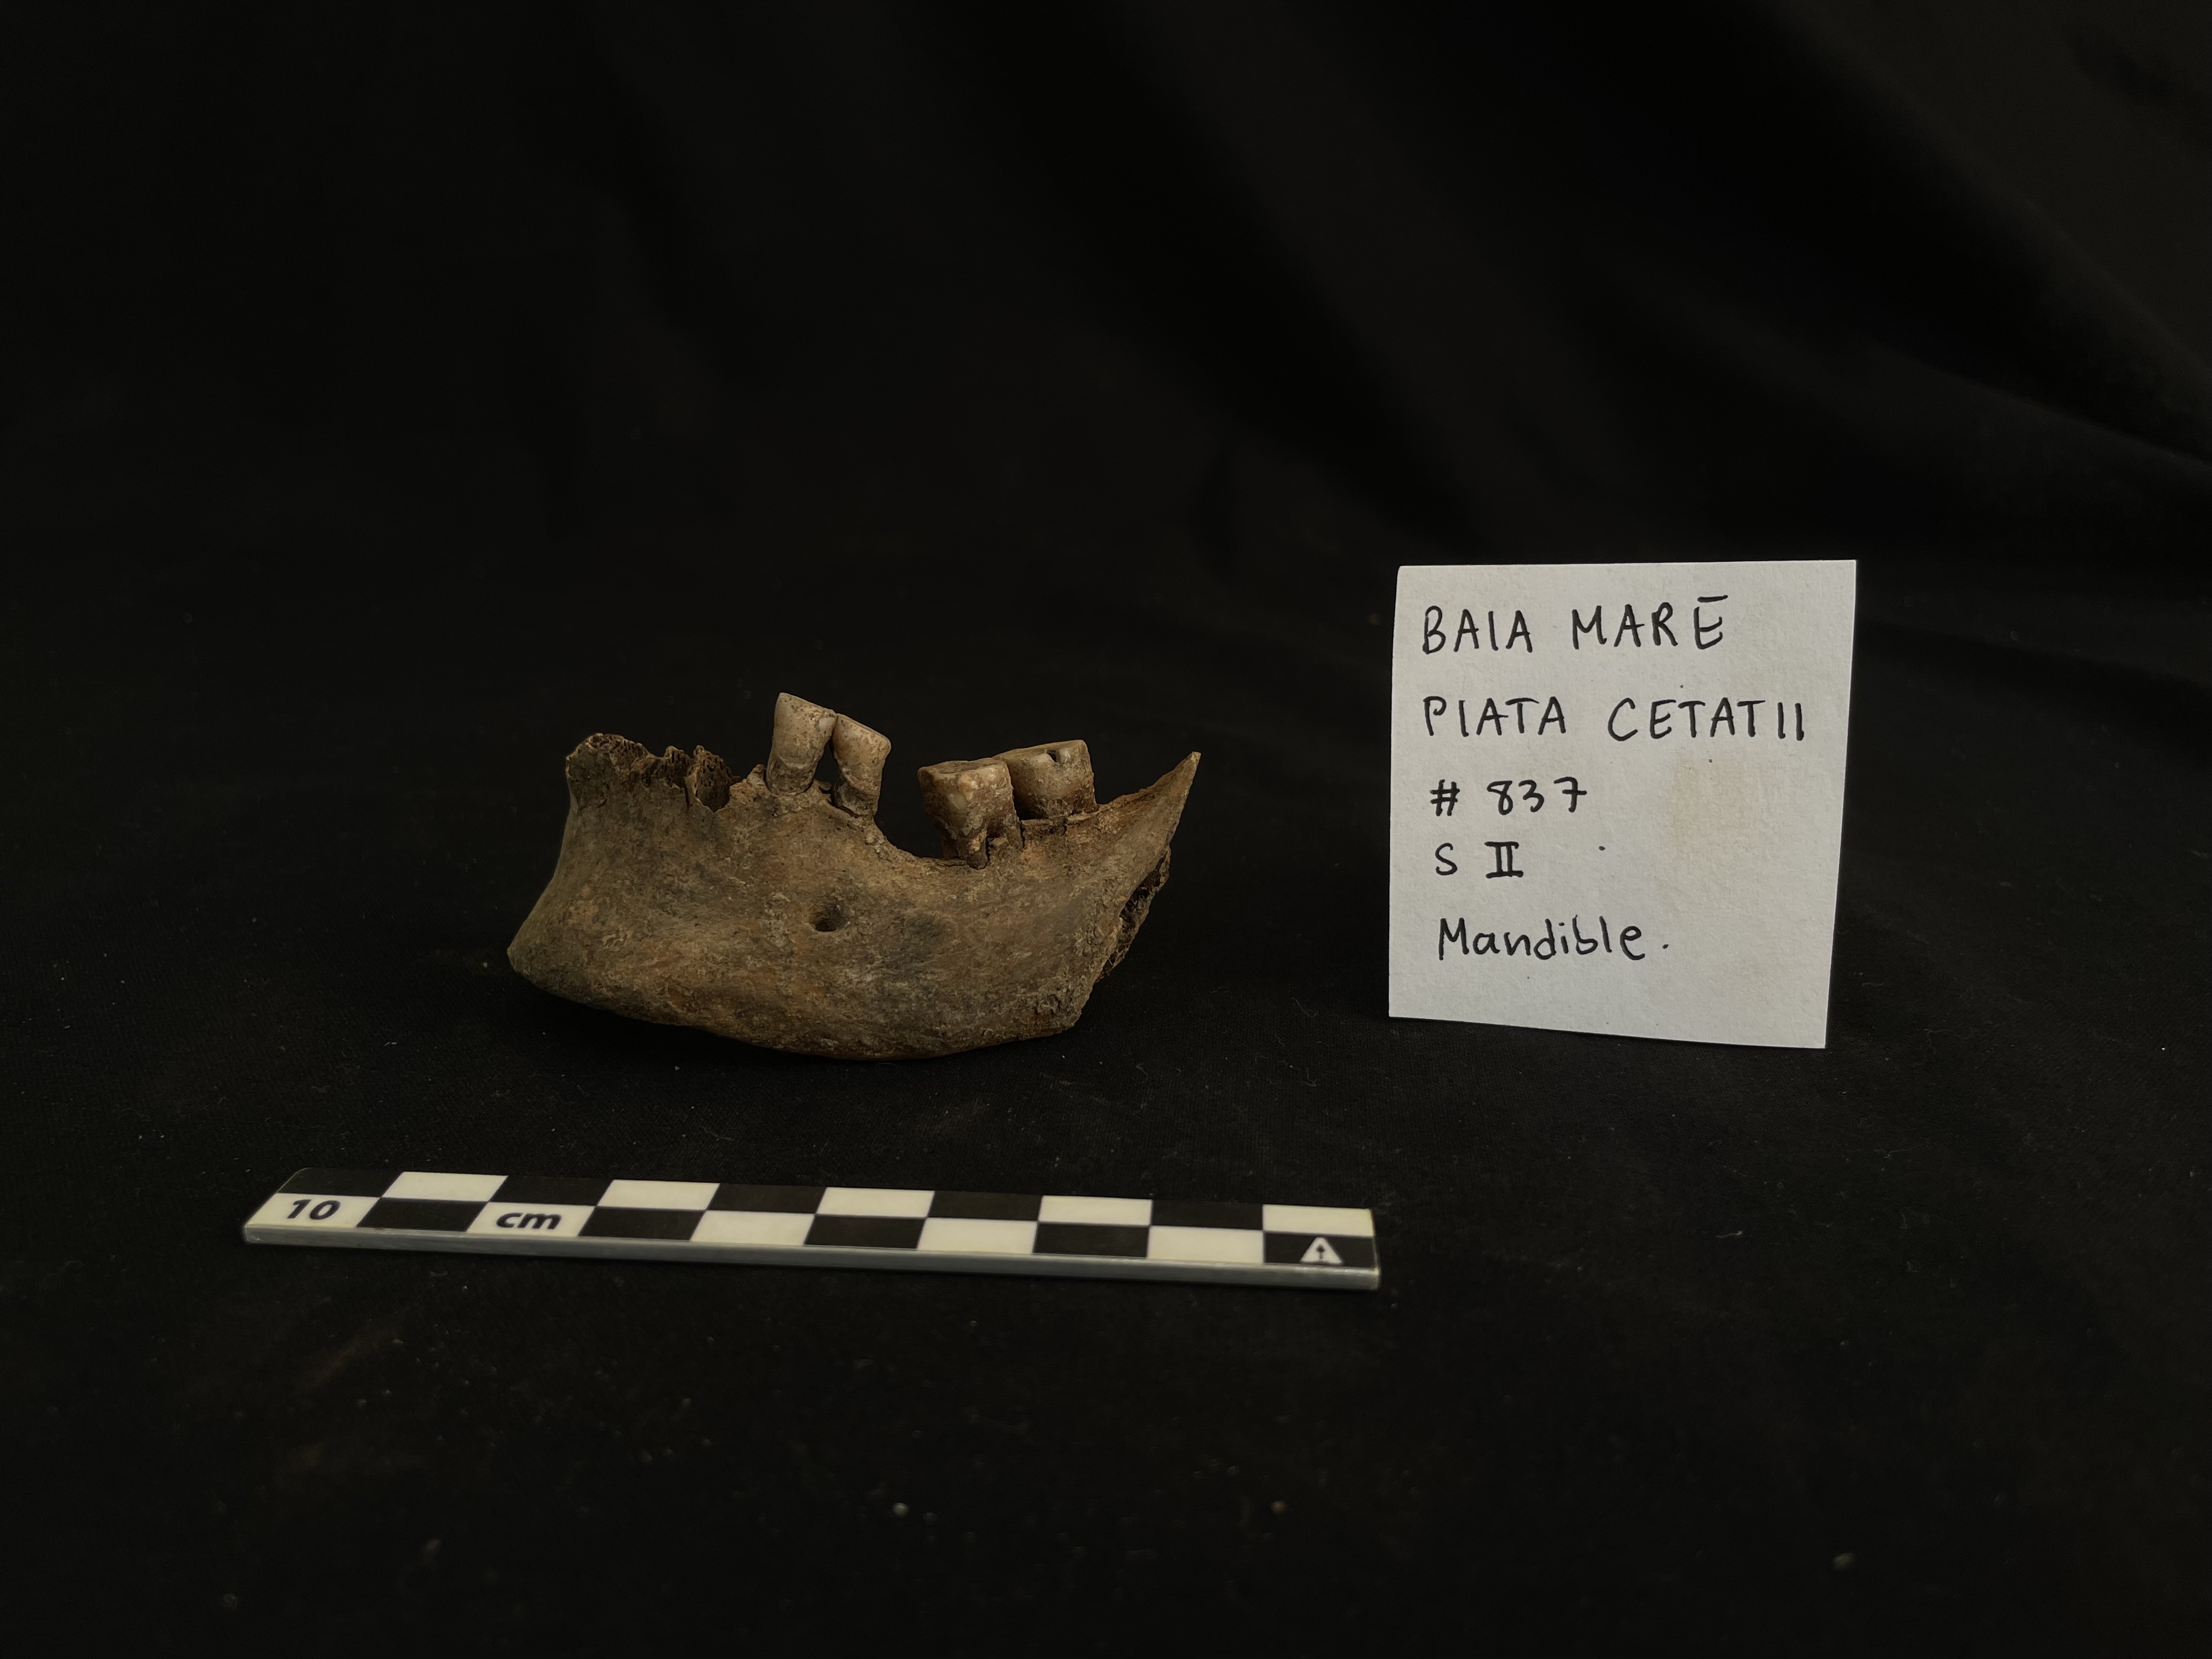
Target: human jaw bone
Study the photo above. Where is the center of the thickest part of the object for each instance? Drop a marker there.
(771, 908)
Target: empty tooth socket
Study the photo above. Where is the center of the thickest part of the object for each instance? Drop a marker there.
(1052, 780)
(859, 754)
(794, 749)
(710, 780)
(972, 805)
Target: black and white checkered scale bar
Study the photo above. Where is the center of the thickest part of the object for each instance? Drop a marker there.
(1056, 1234)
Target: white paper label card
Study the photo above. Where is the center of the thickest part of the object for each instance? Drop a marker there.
(1617, 796)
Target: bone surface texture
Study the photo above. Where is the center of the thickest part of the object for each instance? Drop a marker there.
(770, 907)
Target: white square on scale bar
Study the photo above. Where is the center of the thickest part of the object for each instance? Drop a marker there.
(908, 1201)
(777, 1227)
(1232, 1244)
(312, 1210)
(658, 1194)
(1097, 1212)
(444, 1184)
(1617, 796)
(974, 1235)
(1317, 1218)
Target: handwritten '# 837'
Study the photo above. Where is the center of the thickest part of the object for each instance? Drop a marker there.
(1532, 797)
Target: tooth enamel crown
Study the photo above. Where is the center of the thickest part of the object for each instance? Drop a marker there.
(770, 908)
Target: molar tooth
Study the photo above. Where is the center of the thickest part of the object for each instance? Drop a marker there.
(972, 805)
(860, 753)
(1052, 780)
(794, 749)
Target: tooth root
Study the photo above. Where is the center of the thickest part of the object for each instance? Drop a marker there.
(860, 754)
(794, 749)
(1052, 780)
(972, 805)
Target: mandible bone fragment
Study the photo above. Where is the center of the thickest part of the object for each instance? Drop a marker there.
(771, 908)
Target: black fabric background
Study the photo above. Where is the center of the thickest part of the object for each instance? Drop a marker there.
(395, 394)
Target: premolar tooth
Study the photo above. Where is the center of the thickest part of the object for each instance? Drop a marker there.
(972, 805)
(1052, 780)
(794, 749)
(860, 754)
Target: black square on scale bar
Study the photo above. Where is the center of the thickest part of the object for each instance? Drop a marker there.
(867, 1232)
(986, 1207)
(422, 1215)
(641, 1224)
(774, 1200)
(548, 1189)
(1088, 1238)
